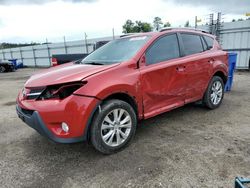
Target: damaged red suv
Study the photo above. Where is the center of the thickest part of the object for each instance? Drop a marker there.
(102, 97)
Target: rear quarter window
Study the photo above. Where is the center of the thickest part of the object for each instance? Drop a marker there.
(210, 42)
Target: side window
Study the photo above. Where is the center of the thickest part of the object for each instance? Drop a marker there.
(210, 42)
(204, 44)
(163, 49)
(192, 43)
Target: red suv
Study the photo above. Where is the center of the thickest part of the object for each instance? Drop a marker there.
(136, 77)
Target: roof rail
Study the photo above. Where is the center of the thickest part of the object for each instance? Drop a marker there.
(184, 28)
(128, 34)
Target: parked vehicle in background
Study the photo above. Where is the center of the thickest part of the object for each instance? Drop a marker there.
(58, 59)
(132, 78)
(6, 66)
(100, 44)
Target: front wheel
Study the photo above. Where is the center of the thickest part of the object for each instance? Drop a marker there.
(214, 93)
(113, 126)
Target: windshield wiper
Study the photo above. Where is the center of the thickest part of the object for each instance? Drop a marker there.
(78, 61)
(93, 63)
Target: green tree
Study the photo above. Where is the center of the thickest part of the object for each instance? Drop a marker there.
(128, 27)
(167, 24)
(146, 27)
(137, 27)
(142, 27)
(157, 23)
(5, 45)
(187, 24)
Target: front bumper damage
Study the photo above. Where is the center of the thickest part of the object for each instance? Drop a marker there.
(34, 120)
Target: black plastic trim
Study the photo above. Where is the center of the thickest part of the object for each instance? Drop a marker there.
(35, 121)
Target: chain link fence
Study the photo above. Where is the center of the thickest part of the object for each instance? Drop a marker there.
(40, 55)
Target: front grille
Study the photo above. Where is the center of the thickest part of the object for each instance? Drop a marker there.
(27, 112)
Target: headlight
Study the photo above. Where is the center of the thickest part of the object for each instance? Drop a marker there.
(60, 91)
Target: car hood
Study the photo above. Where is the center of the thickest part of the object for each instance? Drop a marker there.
(69, 72)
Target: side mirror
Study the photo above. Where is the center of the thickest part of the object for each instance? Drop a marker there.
(209, 47)
(142, 60)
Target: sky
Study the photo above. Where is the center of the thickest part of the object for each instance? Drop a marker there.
(35, 20)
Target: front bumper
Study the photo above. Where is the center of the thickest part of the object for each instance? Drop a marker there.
(34, 120)
(46, 116)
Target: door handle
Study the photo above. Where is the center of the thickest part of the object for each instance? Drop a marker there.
(181, 69)
(211, 61)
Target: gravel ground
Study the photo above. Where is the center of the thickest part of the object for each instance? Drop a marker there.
(188, 147)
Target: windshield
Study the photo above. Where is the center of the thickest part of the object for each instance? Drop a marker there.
(116, 51)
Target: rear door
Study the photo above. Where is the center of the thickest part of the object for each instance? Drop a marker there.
(198, 66)
(163, 76)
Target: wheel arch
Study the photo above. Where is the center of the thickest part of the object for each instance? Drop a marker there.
(222, 75)
(118, 95)
(124, 97)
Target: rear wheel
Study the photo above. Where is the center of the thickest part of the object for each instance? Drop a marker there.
(113, 126)
(2, 69)
(214, 93)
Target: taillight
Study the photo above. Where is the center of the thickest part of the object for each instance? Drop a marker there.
(54, 62)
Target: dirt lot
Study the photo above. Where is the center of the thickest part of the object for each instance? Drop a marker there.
(188, 147)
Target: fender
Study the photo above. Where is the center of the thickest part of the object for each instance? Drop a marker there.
(114, 81)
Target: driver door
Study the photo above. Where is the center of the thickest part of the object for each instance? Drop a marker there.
(163, 76)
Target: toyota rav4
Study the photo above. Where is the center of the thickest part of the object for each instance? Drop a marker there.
(135, 77)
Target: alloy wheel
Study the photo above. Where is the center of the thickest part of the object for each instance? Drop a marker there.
(116, 127)
(216, 93)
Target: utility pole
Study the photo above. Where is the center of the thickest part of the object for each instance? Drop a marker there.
(195, 22)
(113, 33)
(211, 23)
(219, 26)
(48, 49)
(65, 45)
(86, 43)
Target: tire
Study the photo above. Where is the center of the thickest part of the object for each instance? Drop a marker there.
(109, 134)
(2, 69)
(214, 94)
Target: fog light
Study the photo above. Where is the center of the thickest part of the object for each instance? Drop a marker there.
(65, 127)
